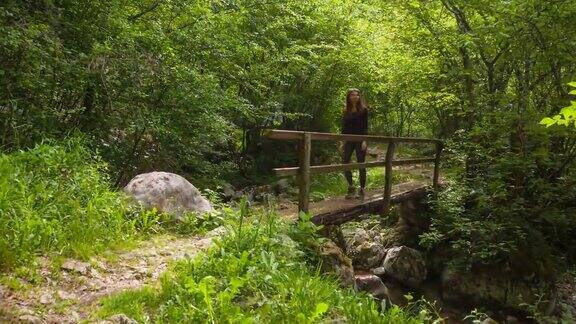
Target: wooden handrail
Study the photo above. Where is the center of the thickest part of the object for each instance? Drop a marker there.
(291, 171)
(305, 169)
(315, 136)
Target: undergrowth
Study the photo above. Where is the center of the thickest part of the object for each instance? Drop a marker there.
(56, 198)
(259, 271)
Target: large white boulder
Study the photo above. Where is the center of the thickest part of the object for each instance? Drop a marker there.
(168, 193)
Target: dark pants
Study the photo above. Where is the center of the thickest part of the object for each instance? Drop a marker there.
(350, 147)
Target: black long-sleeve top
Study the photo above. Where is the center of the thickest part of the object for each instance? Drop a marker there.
(355, 122)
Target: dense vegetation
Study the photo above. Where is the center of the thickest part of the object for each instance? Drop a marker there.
(56, 197)
(188, 86)
(258, 272)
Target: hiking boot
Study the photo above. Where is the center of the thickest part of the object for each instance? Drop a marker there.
(351, 193)
(361, 194)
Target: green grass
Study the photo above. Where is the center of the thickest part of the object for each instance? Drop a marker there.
(56, 198)
(263, 270)
(334, 184)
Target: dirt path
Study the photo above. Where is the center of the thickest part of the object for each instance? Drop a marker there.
(67, 293)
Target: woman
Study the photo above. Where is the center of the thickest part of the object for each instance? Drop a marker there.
(355, 121)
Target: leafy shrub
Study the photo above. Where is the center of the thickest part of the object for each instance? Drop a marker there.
(510, 202)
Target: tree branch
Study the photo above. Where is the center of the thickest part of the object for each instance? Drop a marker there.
(148, 10)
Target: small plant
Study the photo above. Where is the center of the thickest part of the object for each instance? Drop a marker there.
(535, 310)
(476, 316)
(424, 309)
(147, 221)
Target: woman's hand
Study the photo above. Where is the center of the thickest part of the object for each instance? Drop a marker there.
(364, 146)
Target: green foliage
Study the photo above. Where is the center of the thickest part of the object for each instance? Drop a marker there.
(507, 204)
(476, 316)
(188, 86)
(255, 273)
(185, 86)
(56, 198)
(567, 115)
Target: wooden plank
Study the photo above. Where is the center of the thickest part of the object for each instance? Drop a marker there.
(388, 177)
(282, 172)
(341, 216)
(304, 183)
(439, 147)
(297, 135)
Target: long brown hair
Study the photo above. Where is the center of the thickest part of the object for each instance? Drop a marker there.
(360, 106)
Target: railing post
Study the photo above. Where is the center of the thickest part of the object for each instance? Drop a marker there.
(439, 147)
(388, 177)
(304, 181)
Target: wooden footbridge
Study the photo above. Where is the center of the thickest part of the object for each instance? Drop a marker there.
(338, 211)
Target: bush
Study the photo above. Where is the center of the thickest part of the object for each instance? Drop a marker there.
(56, 197)
(506, 204)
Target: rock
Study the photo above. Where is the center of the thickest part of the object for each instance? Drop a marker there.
(121, 319)
(488, 286)
(281, 186)
(362, 245)
(353, 236)
(334, 233)
(141, 273)
(261, 193)
(228, 192)
(95, 274)
(217, 232)
(371, 284)
(30, 319)
(65, 295)
(359, 237)
(74, 317)
(99, 264)
(46, 298)
(77, 266)
(335, 261)
(392, 293)
(368, 255)
(405, 265)
(168, 193)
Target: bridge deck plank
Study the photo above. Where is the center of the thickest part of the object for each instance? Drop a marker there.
(339, 210)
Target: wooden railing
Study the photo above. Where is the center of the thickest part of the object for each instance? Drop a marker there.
(305, 169)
